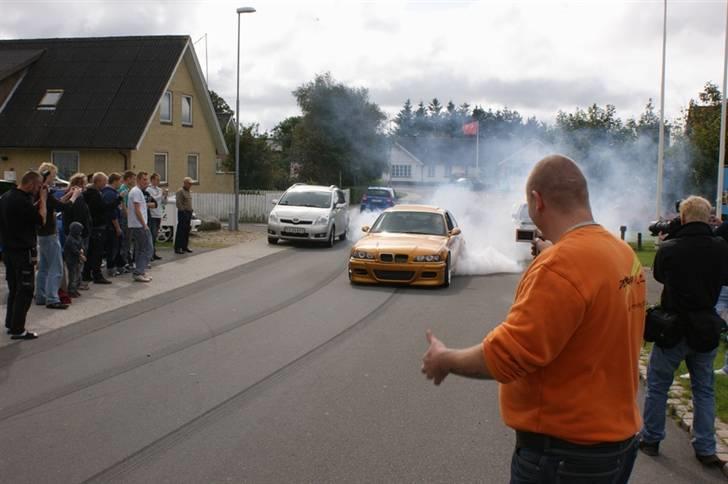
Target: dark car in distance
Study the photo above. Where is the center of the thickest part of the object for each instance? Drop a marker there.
(377, 199)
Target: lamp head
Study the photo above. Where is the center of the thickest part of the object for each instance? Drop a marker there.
(246, 10)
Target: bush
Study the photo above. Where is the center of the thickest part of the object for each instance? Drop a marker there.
(210, 224)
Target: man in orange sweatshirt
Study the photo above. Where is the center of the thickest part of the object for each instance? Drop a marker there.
(567, 354)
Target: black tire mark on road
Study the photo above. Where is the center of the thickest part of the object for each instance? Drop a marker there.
(26, 406)
(116, 471)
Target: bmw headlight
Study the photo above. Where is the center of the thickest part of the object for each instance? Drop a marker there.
(360, 254)
(322, 220)
(427, 258)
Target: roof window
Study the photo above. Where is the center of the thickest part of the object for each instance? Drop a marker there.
(50, 99)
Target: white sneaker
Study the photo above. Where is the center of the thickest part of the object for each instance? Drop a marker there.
(142, 278)
(685, 376)
(721, 372)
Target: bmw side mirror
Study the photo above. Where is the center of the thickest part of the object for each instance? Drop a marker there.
(365, 228)
(274, 201)
(455, 231)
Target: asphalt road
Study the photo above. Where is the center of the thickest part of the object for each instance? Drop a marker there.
(278, 371)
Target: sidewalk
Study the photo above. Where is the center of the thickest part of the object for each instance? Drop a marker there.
(172, 273)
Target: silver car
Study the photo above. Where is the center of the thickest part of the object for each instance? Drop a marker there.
(309, 212)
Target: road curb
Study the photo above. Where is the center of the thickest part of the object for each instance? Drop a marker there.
(680, 408)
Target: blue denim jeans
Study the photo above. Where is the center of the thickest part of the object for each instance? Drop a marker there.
(721, 307)
(50, 270)
(530, 466)
(660, 373)
(143, 249)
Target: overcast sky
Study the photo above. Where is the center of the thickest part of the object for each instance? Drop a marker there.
(536, 57)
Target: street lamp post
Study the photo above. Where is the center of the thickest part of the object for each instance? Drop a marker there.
(236, 215)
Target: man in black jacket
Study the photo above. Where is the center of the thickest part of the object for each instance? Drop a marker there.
(98, 209)
(693, 266)
(20, 215)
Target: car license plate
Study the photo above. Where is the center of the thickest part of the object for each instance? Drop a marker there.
(296, 230)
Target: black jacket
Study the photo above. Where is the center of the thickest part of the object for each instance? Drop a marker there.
(96, 205)
(692, 266)
(18, 220)
(77, 211)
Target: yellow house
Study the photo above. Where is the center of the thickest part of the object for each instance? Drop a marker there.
(109, 104)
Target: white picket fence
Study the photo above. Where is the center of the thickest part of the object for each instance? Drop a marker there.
(254, 206)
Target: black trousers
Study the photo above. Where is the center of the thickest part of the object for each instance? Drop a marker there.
(154, 224)
(111, 248)
(182, 237)
(92, 267)
(20, 275)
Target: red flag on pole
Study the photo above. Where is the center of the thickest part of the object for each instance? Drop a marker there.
(470, 129)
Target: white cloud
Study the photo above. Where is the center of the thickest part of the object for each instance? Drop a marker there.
(536, 57)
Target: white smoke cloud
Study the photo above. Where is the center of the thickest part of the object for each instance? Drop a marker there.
(621, 187)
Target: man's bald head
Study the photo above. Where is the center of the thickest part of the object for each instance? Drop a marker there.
(560, 183)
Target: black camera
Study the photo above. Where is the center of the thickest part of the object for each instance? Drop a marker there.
(669, 227)
(45, 174)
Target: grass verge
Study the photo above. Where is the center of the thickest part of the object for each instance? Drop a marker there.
(647, 254)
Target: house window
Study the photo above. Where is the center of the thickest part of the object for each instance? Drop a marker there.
(193, 165)
(187, 110)
(67, 163)
(165, 108)
(160, 166)
(431, 170)
(50, 99)
(402, 171)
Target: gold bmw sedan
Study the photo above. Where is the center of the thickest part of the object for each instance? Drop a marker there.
(417, 245)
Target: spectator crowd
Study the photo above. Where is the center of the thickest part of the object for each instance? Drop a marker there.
(97, 228)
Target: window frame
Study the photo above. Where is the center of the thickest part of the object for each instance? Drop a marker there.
(196, 178)
(162, 179)
(171, 108)
(182, 111)
(78, 161)
(48, 106)
(402, 171)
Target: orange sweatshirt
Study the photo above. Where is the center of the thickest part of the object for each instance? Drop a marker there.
(567, 354)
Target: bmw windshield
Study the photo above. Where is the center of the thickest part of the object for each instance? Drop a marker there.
(424, 223)
(306, 199)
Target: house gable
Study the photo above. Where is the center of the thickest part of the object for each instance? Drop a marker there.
(171, 143)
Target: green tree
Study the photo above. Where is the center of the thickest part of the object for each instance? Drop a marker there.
(702, 130)
(405, 120)
(340, 134)
(219, 104)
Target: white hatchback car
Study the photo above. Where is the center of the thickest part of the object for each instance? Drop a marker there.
(309, 212)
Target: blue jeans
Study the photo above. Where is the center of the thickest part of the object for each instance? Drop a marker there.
(143, 249)
(720, 307)
(531, 466)
(50, 270)
(660, 373)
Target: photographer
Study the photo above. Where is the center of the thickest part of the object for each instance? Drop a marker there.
(20, 215)
(693, 266)
(50, 257)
